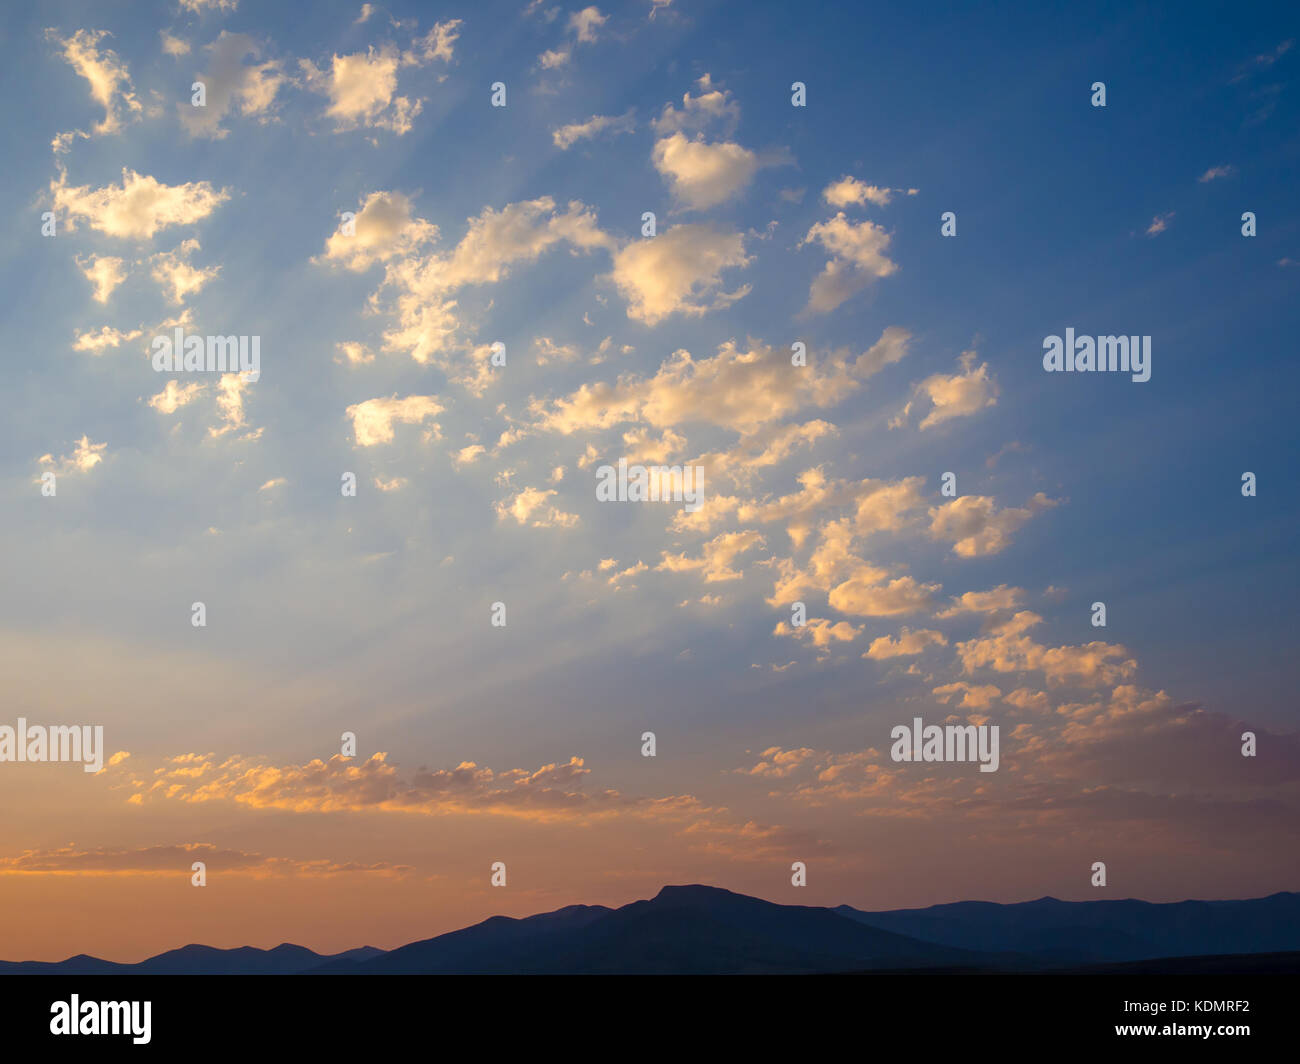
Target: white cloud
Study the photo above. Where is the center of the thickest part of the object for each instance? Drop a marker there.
(679, 272)
(372, 421)
(530, 507)
(566, 136)
(110, 81)
(105, 272)
(859, 257)
(700, 174)
(139, 208)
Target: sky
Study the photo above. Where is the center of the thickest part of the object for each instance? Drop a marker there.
(349, 195)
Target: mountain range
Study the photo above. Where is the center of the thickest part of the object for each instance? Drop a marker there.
(707, 930)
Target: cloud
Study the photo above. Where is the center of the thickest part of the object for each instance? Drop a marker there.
(709, 107)
(586, 22)
(849, 191)
(1008, 649)
(175, 274)
(977, 528)
(438, 44)
(679, 272)
(197, 7)
(83, 459)
(98, 342)
(174, 861)
(176, 395)
(1213, 174)
(362, 90)
(1159, 223)
(105, 272)
(172, 45)
(1001, 597)
(907, 644)
(716, 558)
(530, 507)
(700, 174)
(566, 136)
(372, 421)
(551, 792)
(823, 634)
(865, 593)
(139, 208)
(971, 697)
(230, 404)
(953, 395)
(383, 229)
(110, 81)
(859, 258)
(231, 85)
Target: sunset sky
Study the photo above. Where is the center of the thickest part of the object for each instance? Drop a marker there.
(522, 225)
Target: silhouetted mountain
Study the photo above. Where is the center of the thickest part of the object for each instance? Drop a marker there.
(1074, 933)
(284, 959)
(706, 930)
(684, 930)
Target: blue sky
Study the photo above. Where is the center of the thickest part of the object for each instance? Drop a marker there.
(371, 613)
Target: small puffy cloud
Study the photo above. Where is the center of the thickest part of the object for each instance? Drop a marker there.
(586, 22)
(106, 337)
(83, 459)
(172, 45)
(744, 387)
(354, 353)
(716, 558)
(1159, 223)
(383, 229)
(362, 90)
(949, 396)
(105, 272)
(859, 257)
(702, 175)
(138, 208)
(1007, 648)
(439, 43)
(907, 644)
(549, 351)
(273, 483)
(1214, 173)
(554, 58)
(176, 395)
(232, 85)
(173, 272)
(470, 454)
(975, 526)
(566, 136)
(531, 507)
(373, 420)
(110, 81)
(708, 107)
(868, 593)
(821, 633)
(972, 697)
(197, 7)
(230, 404)
(1001, 597)
(849, 191)
(679, 272)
